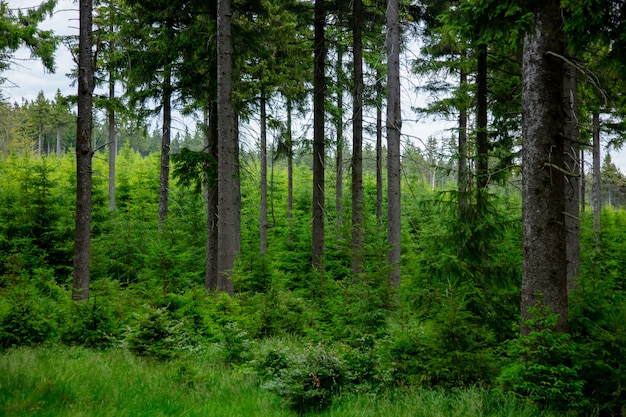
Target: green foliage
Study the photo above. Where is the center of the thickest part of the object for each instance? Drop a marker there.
(27, 322)
(452, 349)
(156, 335)
(543, 368)
(305, 376)
(91, 324)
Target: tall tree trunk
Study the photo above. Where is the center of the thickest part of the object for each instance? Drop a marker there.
(340, 142)
(394, 126)
(228, 154)
(263, 209)
(379, 149)
(319, 93)
(572, 182)
(596, 186)
(544, 278)
(357, 139)
(82, 234)
(583, 180)
(59, 148)
(463, 172)
(210, 280)
(112, 142)
(164, 180)
(482, 138)
(289, 141)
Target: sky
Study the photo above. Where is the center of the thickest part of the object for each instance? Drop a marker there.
(27, 78)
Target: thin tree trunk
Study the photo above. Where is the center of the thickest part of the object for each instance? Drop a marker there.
(289, 171)
(319, 92)
(482, 139)
(263, 209)
(59, 148)
(544, 278)
(340, 142)
(210, 280)
(228, 152)
(379, 149)
(357, 139)
(463, 173)
(82, 234)
(164, 179)
(394, 126)
(596, 186)
(112, 143)
(572, 186)
(583, 180)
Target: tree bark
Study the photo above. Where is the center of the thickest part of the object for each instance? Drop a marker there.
(340, 142)
(82, 234)
(228, 152)
(319, 93)
(394, 126)
(572, 182)
(210, 280)
(289, 171)
(379, 149)
(463, 172)
(112, 142)
(263, 209)
(482, 138)
(164, 179)
(357, 139)
(596, 186)
(544, 280)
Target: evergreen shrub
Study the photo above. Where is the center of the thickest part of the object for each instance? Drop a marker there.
(158, 336)
(92, 325)
(543, 368)
(26, 323)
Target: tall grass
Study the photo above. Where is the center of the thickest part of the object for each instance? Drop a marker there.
(61, 381)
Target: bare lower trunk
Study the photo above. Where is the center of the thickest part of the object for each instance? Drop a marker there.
(544, 280)
(357, 141)
(263, 209)
(596, 187)
(82, 234)
(319, 92)
(112, 144)
(340, 142)
(164, 179)
(379, 150)
(463, 173)
(228, 154)
(394, 126)
(572, 179)
(482, 138)
(211, 192)
(289, 171)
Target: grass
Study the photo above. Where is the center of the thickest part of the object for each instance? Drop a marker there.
(63, 381)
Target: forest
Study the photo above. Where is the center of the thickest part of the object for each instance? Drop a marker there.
(294, 250)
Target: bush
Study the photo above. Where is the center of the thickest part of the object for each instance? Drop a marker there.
(91, 325)
(542, 369)
(26, 323)
(305, 376)
(157, 336)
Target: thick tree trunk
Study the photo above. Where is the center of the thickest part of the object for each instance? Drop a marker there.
(340, 142)
(59, 148)
(572, 180)
(319, 92)
(82, 234)
(263, 209)
(357, 139)
(210, 280)
(544, 280)
(112, 143)
(596, 186)
(228, 152)
(164, 180)
(394, 126)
